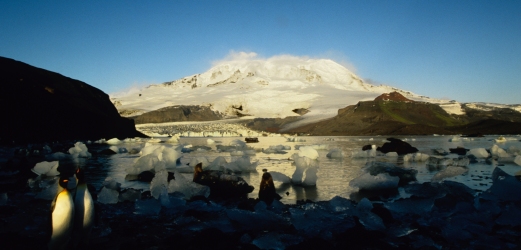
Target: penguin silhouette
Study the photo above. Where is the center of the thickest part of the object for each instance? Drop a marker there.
(62, 213)
(267, 191)
(84, 213)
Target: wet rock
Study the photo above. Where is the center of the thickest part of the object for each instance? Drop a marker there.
(398, 146)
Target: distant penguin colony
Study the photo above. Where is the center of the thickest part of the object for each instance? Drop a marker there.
(72, 213)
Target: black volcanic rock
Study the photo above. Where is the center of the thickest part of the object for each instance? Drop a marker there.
(178, 113)
(40, 105)
(398, 146)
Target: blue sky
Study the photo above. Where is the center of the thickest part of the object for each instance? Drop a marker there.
(465, 50)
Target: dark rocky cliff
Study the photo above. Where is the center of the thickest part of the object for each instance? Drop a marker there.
(40, 105)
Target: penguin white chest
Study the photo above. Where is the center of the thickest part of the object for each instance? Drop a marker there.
(62, 220)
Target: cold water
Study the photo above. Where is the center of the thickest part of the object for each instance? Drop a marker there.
(334, 175)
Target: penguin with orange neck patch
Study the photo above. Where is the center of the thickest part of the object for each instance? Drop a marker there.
(221, 185)
(62, 213)
(84, 213)
(267, 191)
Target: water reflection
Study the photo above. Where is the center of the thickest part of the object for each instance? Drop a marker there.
(334, 175)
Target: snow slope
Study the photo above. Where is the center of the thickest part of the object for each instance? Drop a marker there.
(268, 88)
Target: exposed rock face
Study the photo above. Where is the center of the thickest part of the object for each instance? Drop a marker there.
(40, 105)
(393, 114)
(393, 96)
(178, 114)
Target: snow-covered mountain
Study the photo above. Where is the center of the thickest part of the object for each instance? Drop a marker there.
(267, 88)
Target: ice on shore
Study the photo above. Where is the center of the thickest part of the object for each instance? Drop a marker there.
(46, 168)
(335, 153)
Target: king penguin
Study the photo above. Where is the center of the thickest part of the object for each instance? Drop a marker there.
(62, 209)
(84, 213)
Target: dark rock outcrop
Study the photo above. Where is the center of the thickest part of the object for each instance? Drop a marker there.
(40, 105)
(398, 146)
(177, 114)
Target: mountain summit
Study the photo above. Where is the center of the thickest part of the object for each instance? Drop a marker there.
(276, 87)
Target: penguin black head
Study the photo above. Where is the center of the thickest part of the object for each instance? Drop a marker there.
(67, 182)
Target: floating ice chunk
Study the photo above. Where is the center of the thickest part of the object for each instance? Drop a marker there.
(217, 164)
(159, 184)
(496, 151)
(514, 150)
(280, 177)
(199, 159)
(295, 139)
(144, 163)
(149, 148)
(170, 156)
(371, 182)
(500, 139)
(187, 187)
(308, 152)
(237, 143)
(79, 150)
(46, 168)
(210, 142)
(517, 160)
(108, 196)
(479, 152)
(255, 220)
(364, 153)
(302, 164)
(173, 139)
(242, 164)
(364, 205)
(455, 139)
(335, 153)
(114, 141)
(237, 153)
(416, 157)
(450, 171)
(276, 149)
(114, 148)
(147, 207)
(111, 183)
